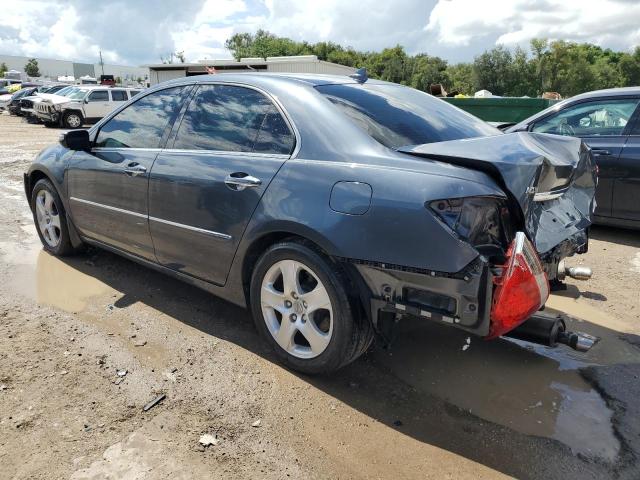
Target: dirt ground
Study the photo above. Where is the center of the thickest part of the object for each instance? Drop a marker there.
(86, 342)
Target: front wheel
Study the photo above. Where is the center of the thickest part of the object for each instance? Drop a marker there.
(72, 120)
(50, 219)
(301, 307)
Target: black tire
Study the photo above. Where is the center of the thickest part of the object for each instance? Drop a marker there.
(64, 247)
(69, 116)
(352, 332)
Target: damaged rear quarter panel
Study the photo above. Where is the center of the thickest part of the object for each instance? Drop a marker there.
(397, 228)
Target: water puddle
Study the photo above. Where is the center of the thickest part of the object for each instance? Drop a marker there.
(533, 390)
(49, 280)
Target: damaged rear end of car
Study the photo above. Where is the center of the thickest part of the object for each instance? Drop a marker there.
(521, 239)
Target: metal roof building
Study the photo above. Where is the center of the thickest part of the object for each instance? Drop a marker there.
(298, 64)
(53, 69)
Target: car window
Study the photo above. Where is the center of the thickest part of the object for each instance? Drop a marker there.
(99, 96)
(397, 116)
(118, 95)
(230, 118)
(133, 93)
(274, 135)
(599, 117)
(141, 124)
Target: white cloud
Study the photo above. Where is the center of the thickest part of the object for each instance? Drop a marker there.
(609, 23)
(141, 31)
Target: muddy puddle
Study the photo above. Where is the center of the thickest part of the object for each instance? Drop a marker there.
(534, 390)
(47, 279)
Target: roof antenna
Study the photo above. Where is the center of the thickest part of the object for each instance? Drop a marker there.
(360, 75)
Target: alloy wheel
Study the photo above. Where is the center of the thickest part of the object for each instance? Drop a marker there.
(74, 121)
(297, 309)
(48, 218)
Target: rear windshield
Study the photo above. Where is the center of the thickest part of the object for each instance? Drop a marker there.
(398, 116)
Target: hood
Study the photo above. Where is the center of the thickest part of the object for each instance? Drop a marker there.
(551, 178)
(56, 99)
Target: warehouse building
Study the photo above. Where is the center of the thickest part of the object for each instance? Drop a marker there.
(52, 69)
(298, 64)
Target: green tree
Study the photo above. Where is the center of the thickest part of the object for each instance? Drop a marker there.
(491, 70)
(521, 78)
(460, 78)
(426, 70)
(629, 67)
(565, 67)
(31, 68)
(3, 69)
(239, 45)
(389, 65)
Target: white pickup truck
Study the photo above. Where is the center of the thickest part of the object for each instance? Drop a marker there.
(85, 104)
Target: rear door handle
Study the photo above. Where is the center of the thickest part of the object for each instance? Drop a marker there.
(599, 152)
(134, 169)
(240, 180)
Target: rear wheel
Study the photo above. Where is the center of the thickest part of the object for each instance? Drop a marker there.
(50, 219)
(301, 307)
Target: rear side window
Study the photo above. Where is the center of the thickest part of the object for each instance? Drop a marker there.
(99, 96)
(118, 95)
(133, 93)
(233, 119)
(141, 124)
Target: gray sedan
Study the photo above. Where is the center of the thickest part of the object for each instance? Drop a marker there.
(331, 206)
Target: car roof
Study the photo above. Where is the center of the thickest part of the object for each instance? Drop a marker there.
(313, 79)
(608, 92)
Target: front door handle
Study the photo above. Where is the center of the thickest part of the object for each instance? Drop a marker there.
(600, 152)
(134, 169)
(239, 181)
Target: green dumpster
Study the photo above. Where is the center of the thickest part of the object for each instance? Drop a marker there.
(501, 109)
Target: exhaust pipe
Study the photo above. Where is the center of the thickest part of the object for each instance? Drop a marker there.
(544, 329)
(579, 273)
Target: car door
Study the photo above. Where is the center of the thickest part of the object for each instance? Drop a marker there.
(626, 187)
(206, 184)
(96, 105)
(603, 124)
(108, 186)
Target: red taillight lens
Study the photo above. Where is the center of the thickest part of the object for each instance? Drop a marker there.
(521, 290)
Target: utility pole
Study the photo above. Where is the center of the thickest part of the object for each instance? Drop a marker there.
(101, 63)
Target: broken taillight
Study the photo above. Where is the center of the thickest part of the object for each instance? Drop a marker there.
(521, 289)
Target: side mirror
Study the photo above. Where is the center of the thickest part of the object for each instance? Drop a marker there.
(86, 100)
(76, 140)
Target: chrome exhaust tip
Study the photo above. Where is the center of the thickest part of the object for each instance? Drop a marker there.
(580, 341)
(578, 273)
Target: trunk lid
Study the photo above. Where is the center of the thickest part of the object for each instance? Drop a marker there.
(552, 179)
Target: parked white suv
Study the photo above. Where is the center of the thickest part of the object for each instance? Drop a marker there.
(85, 104)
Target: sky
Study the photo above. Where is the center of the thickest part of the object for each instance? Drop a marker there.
(138, 32)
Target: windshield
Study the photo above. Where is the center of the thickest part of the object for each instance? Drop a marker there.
(398, 116)
(64, 91)
(76, 94)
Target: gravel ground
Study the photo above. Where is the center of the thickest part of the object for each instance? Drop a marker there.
(426, 408)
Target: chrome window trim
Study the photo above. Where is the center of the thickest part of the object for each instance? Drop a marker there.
(125, 149)
(224, 153)
(211, 233)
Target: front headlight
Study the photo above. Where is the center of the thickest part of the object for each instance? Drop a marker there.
(484, 222)
(57, 108)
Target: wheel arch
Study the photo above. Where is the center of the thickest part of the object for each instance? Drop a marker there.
(38, 173)
(358, 288)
